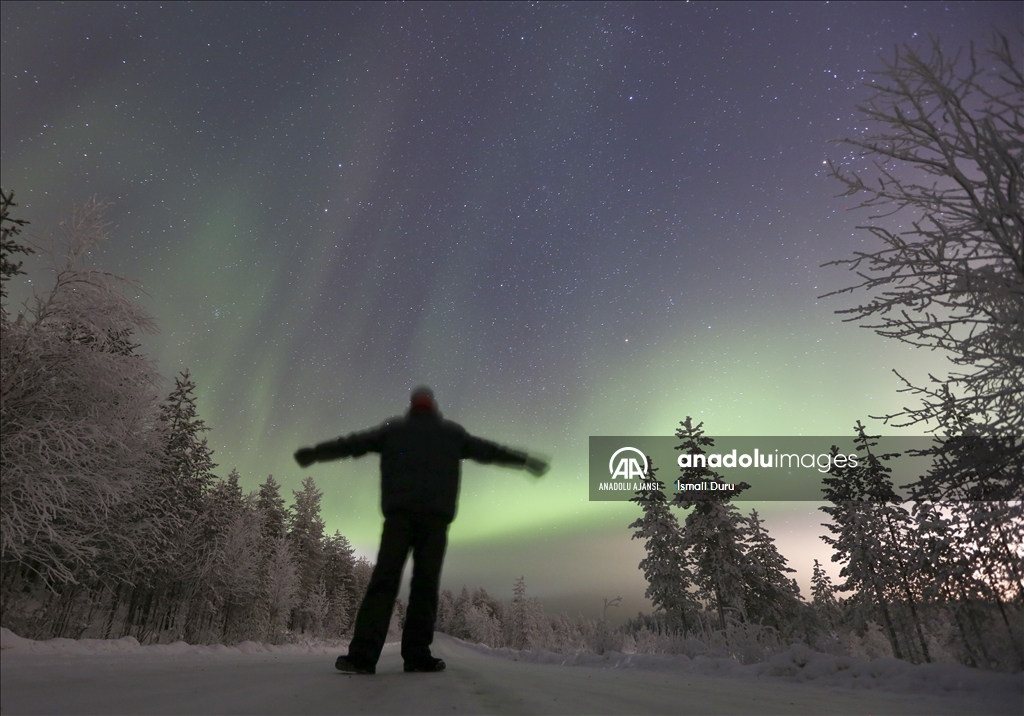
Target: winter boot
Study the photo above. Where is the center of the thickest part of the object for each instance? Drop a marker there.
(346, 666)
(427, 665)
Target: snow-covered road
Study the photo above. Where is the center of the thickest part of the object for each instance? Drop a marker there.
(155, 680)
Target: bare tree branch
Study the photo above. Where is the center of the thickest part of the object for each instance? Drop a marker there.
(943, 177)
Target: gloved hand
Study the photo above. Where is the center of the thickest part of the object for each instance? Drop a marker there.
(537, 466)
(305, 456)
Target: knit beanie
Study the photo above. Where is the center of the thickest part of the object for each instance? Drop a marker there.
(423, 399)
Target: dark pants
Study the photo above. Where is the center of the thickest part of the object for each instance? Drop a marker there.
(427, 537)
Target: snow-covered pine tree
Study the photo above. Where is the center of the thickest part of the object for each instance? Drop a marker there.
(823, 595)
(984, 477)
(306, 533)
(362, 570)
(188, 462)
(272, 510)
(397, 620)
(971, 505)
(176, 506)
(463, 602)
(486, 628)
(521, 631)
(204, 592)
(526, 626)
(281, 590)
(338, 619)
(227, 559)
(271, 513)
(951, 579)
(445, 611)
(316, 607)
(337, 575)
(714, 532)
(772, 598)
(666, 566)
(221, 502)
(874, 539)
(566, 637)
(10, 229)
(483, 622)
(243, 579)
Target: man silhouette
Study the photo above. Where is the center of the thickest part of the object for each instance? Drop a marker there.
(420, 461)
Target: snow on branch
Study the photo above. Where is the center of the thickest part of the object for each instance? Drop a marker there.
(942, 174)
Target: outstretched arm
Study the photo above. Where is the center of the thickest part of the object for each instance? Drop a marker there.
(353, 445)
(537, 465)
(486, 451)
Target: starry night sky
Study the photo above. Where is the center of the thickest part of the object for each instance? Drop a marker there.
(570, 220)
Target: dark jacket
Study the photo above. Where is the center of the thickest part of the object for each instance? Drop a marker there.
(420, 460)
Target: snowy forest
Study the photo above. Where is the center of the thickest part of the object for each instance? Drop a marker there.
(114, 522)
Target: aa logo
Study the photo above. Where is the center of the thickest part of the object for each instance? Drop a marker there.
(627, 467)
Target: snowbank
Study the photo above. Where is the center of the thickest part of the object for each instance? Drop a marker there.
(800, 664)
(130, 645)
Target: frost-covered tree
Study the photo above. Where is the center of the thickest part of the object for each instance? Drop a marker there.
(823, 596)
(481, 626)
(226, 563)
(460, 614)
(111, 519)
(316, 606)
(282, 589)
(306, 534)
(272, 509)
(984, 478)
(666, 566)
(943, 171)
(522, 627)
(715, 535)
(242, 577)
(969, 508)
(362, 570)
(772, 598)
(762, 550)
(338, 579)
(872, 537)
(338, 616)
(188, 459)
(446, 612)
(970, 539)
(221, 502)
(484, 619)
(76, 420)
(714, 532)
(397, 620)
(170, 581)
